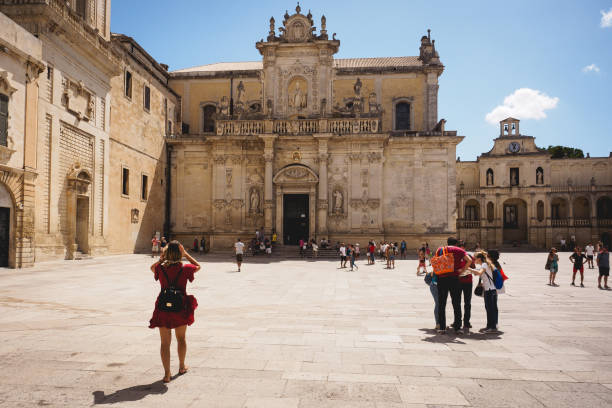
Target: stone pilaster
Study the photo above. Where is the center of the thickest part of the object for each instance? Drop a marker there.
(268, 186)
(323, 201)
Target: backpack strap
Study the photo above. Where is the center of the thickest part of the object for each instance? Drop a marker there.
(178, 275)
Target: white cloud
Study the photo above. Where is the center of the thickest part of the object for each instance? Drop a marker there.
(606, 18)
(524, 103)
(591, 68)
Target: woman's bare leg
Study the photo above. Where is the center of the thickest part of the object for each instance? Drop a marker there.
(180, 332)
(165, 335)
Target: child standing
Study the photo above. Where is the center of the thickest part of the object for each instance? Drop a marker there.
(484, 269)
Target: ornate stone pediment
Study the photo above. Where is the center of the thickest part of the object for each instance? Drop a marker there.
(297, 27)
(296, 174)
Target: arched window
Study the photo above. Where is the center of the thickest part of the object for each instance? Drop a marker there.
(208, 118)
(539, 175)
(540, 210)
(490, 211)
(3, 120)
(490, 177)
(402, 116)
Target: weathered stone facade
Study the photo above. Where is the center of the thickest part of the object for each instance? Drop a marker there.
(62, 162)
(517, 195)
(347, 142)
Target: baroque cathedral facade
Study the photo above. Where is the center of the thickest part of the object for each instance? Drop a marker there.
(312, 146)
(101, 148)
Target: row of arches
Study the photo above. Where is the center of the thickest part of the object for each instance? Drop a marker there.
(559, 210)
(514, 176)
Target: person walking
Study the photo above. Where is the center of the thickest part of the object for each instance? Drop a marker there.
(203, 245)
(590, 252)
(484, 267)
(239, 250)
(196, 245)
(372, 251)
(342, 251)
(173, 274)
(403, 249)
(352, 257)
(552, 265)
(315, 249)
(603, 263)
(578, 259)
(450, 284)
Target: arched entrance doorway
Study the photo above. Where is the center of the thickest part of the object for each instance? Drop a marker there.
(6, 225)
(78, 205)
(295, 203)
(515, 221)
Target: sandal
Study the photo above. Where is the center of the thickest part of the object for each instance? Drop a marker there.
(167, 379)
(183, 370)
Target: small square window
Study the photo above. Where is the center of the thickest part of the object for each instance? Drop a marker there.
(144, 187)
(128, 84)
(125, 181)
(147, 98)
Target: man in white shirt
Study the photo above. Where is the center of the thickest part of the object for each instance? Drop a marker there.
(590, 251)
(342, 255)
(239, 248)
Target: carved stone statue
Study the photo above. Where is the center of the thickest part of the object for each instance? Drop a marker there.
(254, 200)
(228, 177)
(539, 177)
(338, 202)
(241, 93)
(357, 88)
(91, 106)
(489, 178)
(298, 99)
(373, 103)
(224, 106)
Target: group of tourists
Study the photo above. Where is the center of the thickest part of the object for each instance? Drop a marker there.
(578, 259)
(452, 270)
(158, 245)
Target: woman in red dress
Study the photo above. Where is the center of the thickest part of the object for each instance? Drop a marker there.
(168, 270)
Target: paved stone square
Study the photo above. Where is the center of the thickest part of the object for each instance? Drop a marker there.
(299, 334)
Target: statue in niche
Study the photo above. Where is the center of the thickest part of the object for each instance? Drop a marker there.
(539, 176)
(489, 178)
(298, 99)
(254, 200)
(224, 106)
(228, 177)
(338, 202)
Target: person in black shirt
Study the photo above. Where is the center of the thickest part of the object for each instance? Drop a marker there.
(578, 259)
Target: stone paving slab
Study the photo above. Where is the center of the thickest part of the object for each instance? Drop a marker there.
(299, 334)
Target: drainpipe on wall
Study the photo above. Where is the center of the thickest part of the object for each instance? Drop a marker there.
(168, 192)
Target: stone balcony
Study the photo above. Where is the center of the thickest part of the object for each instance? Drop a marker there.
(297, 126)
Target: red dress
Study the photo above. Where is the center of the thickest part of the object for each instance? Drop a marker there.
(172, 320)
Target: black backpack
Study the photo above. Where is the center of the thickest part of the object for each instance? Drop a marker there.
(171, 299)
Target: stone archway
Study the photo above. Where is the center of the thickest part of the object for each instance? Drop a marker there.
(296, 186)
(78, 212)
(7, 227)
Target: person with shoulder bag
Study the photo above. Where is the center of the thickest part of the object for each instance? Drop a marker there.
(174, 309)
(552, 265)
(485, 269)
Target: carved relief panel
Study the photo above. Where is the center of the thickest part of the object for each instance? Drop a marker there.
(78, 100)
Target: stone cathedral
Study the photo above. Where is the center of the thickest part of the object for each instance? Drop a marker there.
(312, 146)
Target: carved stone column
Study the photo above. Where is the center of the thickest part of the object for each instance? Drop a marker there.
(323, 201)
(268, 186)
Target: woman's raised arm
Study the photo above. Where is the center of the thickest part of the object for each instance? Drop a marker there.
(190, 258)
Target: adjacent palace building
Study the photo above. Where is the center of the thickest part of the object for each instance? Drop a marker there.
(101, 148)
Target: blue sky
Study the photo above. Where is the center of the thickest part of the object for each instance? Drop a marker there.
(530, 54)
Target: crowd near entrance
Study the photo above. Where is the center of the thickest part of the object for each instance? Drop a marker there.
(295, 218)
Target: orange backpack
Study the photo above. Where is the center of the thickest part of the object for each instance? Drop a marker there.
(443, 264)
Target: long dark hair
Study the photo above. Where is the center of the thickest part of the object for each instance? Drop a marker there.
(173, 253)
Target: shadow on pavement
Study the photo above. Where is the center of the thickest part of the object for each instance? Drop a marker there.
(451, 337)
(135, 393)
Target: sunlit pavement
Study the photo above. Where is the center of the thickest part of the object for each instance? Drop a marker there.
(299, 334)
